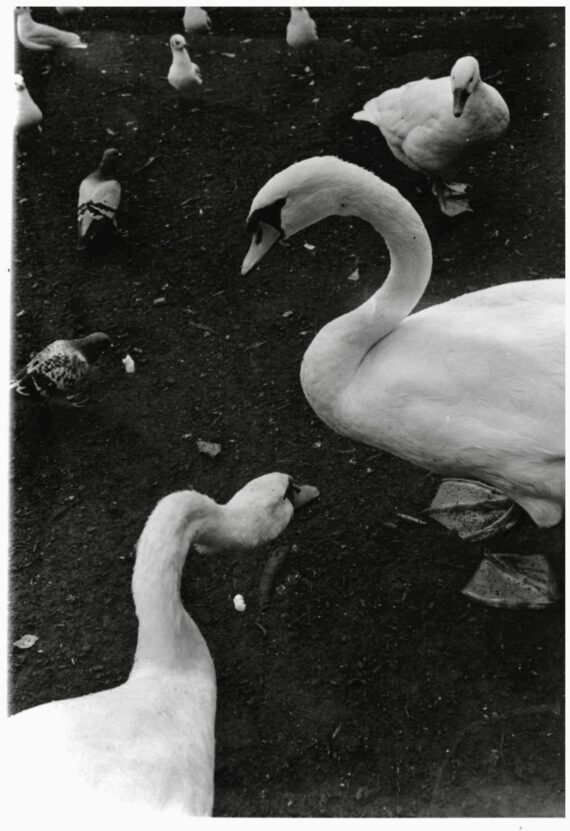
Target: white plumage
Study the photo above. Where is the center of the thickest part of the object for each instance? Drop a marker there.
(434, 125)
(473, 387)
(196, 20)
(42, 38)
(28, 114)
(183, 75)
(98, 202)
(301, 29)
(148, 744)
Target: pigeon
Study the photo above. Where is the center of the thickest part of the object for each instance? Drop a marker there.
(42, 38)
(28, 114)
(99, 199)
(183, 75)
(57, 372)
(196, 20)
(301, 31)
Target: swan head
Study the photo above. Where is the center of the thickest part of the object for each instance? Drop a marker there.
(464, 78)
(295, 198)
(177, 43)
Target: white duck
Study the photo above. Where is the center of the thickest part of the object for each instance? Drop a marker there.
(42, 38)
(434, 125)
(98, 202)
(28, 114)
(148, 744)
(196, 20)
(183, 75)
(471, 388)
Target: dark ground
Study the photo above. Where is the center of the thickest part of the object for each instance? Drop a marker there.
(379, 689)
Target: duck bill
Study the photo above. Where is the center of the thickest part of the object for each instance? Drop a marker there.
(264, 238)
(460, 97)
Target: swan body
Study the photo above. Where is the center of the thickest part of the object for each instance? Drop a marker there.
(473, 387)
(196, 20)
(98, 201)
(183, 75)
(301, 29)
(28, 114)
(59, 370)
(42, 38)
(434, 125)
(148, 744)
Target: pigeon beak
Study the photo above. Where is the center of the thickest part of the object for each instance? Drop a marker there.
(264, 238)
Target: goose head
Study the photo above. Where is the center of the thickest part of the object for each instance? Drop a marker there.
(177, 43)
(464, 78)
(293, 199)
(256, 514)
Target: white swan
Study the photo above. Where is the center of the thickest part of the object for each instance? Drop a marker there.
(28, 114)
(147, 744)
(471, 388)
(434, 125)
(42, 38)
(183, 75)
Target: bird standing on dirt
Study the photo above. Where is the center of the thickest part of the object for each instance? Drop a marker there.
(28, 114)
(42, 38)
(183, 75)
(301, 32)
(146, 748)
(196, 20)
(433, 125)
(98, 203)
(57, 373)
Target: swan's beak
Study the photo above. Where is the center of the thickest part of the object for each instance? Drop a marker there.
(264, 238)
(301, 494)
(460, 97)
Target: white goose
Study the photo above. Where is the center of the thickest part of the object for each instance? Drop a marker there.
(471, 388)
(42, 38)
(148, 744)
(28, 114)
(183, 75)
(196, 20)
(434, 125)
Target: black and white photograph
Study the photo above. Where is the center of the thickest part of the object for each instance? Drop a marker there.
(286, 411)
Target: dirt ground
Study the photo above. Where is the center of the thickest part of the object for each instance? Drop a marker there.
(378, 689)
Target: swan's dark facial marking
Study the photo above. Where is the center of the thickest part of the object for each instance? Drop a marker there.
(292, 489)
(270, 215)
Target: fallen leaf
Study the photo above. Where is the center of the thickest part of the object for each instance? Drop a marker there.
(210, 448)
(354, 276)
(308, 246)
(26, 641)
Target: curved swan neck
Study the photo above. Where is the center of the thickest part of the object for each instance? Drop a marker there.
(168, 638)
(333, 358)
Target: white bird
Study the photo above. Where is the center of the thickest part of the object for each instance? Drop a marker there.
(183, 75)
(43, 38)
(98, 202)
(28, 114)
(196, 20)
(70, 11)
(434, 125)
(59, 371)
(470, 388)
(301, 32)
(147, 745)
